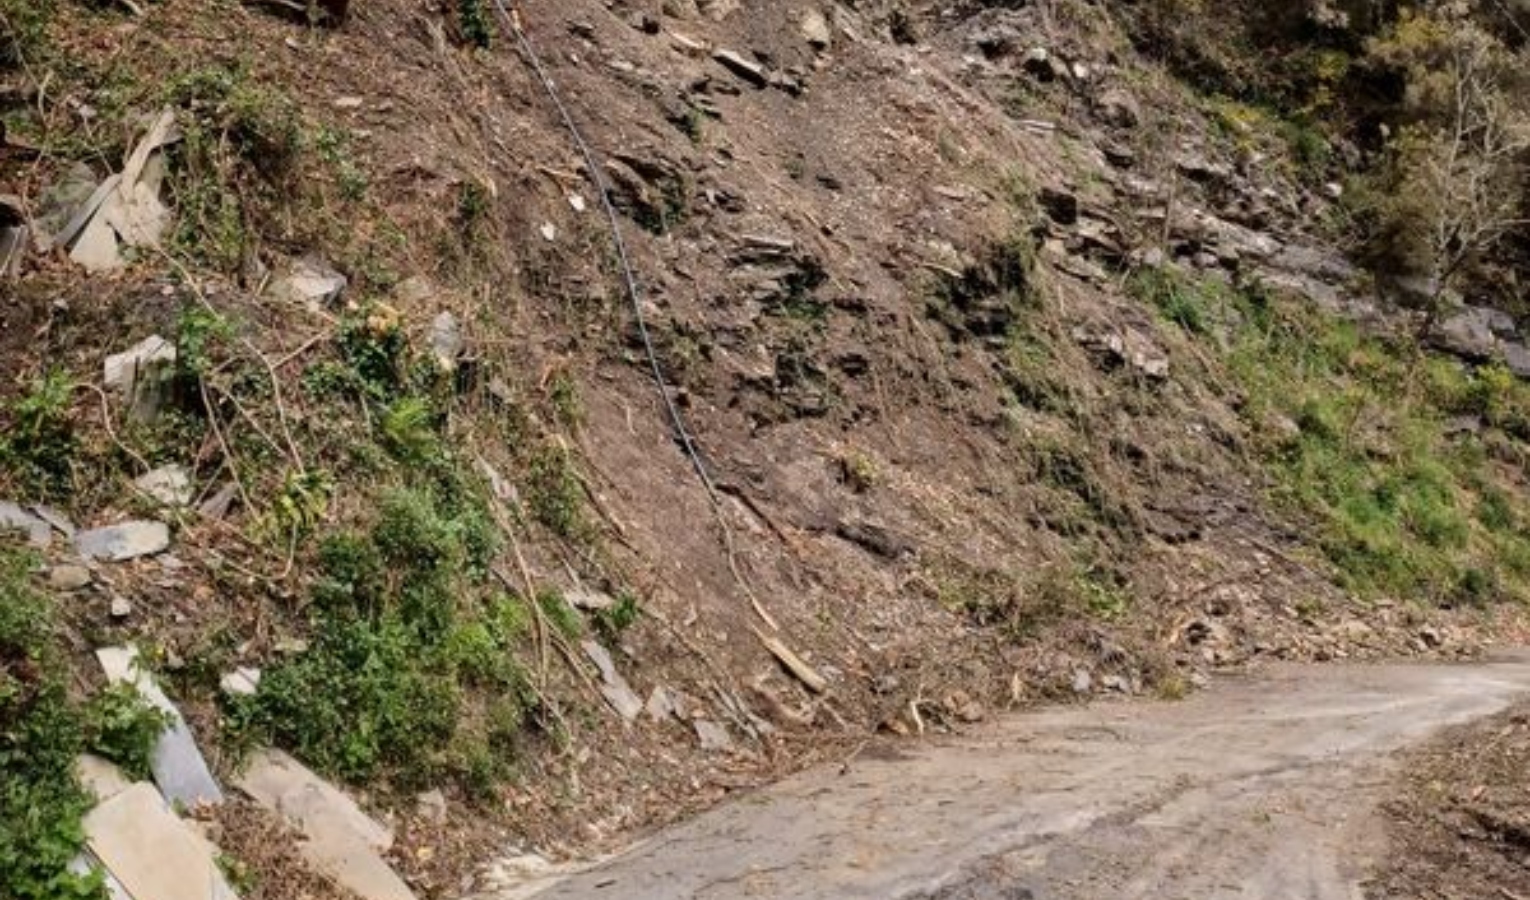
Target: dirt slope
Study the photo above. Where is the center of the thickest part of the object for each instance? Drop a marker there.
(961, 467)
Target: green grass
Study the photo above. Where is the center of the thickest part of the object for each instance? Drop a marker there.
(1403, 510)
(38, 442)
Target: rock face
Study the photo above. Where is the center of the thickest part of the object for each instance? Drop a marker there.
(119, 543)
(177, 764)
(339, 839)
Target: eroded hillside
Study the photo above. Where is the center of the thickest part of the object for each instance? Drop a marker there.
(1021, 370)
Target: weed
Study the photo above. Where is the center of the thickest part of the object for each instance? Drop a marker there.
(199, 331)
(1187, 303)
(619, 616)
(40, 441)
(859, 471)
(567, 406)
(121, 726)
(477, 26)
(555, 494)
(409, 431)
(564, 618)
(299, 506)
(334, 148)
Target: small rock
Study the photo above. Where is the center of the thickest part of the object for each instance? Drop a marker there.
(218, 505)
(58, 520)
(1083, 682)
(119, 543)
(615, 688)
(431, 806)
(589, 599)
(814, 28)
(242, 682)
(446, 342)
(1119, 109)
(713, 737)
(69, 578)
(1116, 683)
(14, 518)
(752, 72)
(549, 232)
(309, 282)
(121, 607)
(170, 485)
(142, 374)
(661, 704)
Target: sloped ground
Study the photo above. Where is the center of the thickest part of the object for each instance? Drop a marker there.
(964, 463)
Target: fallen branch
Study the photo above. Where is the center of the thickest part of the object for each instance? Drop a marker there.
(794, 663)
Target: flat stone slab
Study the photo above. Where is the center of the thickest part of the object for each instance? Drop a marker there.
(170, 485)
(177, 764)
(13, 518)
(100, 777)
(151, 852)
(339, 838)
(120, 543)
(614, 687)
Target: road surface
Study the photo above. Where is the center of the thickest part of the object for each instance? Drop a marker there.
(1260, 787)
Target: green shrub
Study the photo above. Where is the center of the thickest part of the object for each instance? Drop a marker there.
(121, 726)
(39, 443)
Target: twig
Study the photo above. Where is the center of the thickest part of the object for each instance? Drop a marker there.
(228, 453)
(106, 421)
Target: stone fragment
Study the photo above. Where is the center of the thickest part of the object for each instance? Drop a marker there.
(156, 856)
(814, 28)
(58, 520)
(614, 687)
(218, 505)
(1119, 109)
(752, 72)
(142, 375)
(589, 599)
(661, 704)
(432, 806)
(339, 838)
(242, 682)
(170, 485)
(68, 578)
(446, 342)
(60, 202)
(15, 519)
(121, 607)
(1083, 682)
(310, 282)
(177, 764)
(119, 543)
(713, 737)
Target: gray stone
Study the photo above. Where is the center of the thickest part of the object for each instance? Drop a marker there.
(14, 518)
(340, 839)
(589, 599)
(661, 704)
(432, 806)
(1517, 357)
(60, 202)
(752, 72)
(142, 375)
(242, 682)
(1469, 334)
(309, 282)
(58, 520)
(713, 736)
(446, 342)
(614, 687)
(156, 856)
(68, 578)
(1083, 682)
(218, 505)
(119, 543)
(170, 485)
(121, 607)
(1119, 109)
(177, 764)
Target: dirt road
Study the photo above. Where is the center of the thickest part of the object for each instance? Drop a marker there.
(1261, 787)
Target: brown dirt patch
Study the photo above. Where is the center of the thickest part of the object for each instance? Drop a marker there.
(1461, 825)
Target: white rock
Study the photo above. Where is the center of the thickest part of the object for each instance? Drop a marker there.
(170, 485)
(14, 518)
(121, 607)
(142, 375)
(100, 777)
(615, 688)
(69, 578)
(242, 682)
(309, 282)
(446, 342)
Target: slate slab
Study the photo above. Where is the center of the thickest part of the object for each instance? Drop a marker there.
(177, 764)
